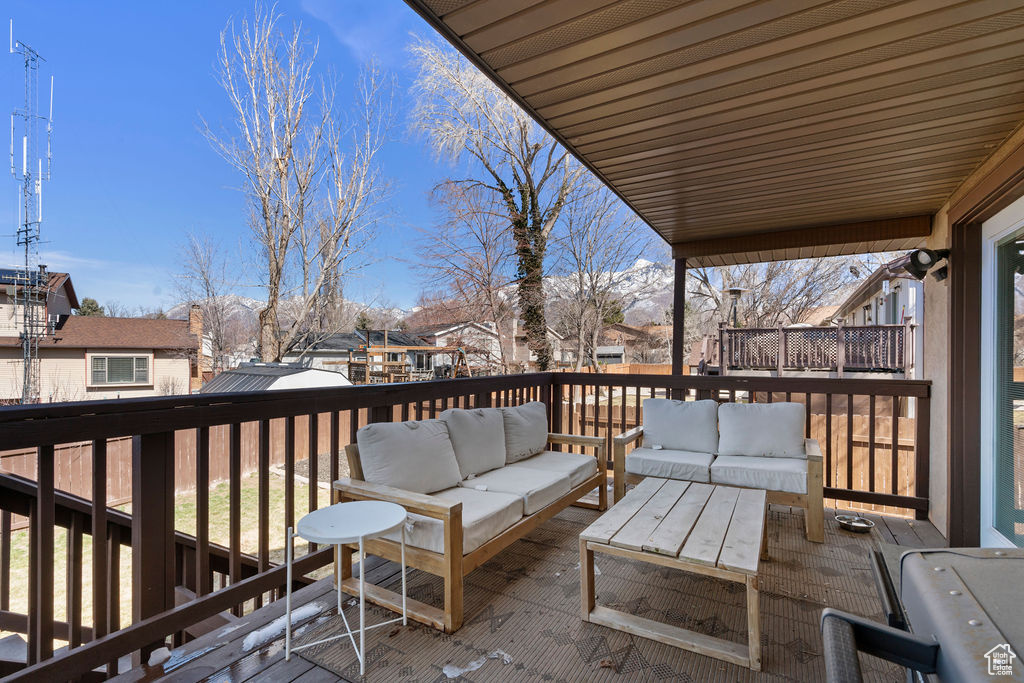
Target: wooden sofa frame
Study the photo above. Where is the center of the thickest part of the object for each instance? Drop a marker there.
(812, 502)
(451, 565)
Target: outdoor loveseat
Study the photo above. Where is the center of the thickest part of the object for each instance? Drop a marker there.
(474, 481)
(749, 445)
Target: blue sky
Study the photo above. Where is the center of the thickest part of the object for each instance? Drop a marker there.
(132, 174)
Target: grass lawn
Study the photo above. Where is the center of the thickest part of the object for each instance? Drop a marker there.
(185, 521)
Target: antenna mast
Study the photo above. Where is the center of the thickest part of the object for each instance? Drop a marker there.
(31, 281)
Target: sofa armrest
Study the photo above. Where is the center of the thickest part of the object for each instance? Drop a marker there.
(420, 503)
(630, 436)
(577, 440)
(813, 449)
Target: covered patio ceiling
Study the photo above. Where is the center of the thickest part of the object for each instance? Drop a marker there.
(757, 130)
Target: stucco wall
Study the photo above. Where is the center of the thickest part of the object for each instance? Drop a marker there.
(63, 372)
(935, 339)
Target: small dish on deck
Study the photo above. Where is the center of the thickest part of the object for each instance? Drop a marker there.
(854, 523)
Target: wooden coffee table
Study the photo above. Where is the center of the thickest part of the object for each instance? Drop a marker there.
(700, 528)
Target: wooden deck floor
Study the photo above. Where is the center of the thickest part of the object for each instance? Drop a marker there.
(222, 655)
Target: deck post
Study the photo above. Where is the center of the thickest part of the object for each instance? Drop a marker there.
(678, 321)
(152, 530)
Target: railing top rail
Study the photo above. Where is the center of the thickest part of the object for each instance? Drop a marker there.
(918, 388)
(54, 423)
(31, 426)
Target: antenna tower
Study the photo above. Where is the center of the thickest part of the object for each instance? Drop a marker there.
(31, 281)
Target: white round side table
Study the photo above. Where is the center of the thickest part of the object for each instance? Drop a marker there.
(338, 525)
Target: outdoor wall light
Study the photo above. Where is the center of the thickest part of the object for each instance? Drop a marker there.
(918, 262)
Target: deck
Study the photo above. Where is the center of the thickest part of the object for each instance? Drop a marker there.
(552, 643)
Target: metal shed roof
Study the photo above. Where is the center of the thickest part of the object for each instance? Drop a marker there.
(761, 122)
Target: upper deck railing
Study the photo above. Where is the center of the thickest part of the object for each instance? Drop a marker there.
(874, 435)
(881, 348)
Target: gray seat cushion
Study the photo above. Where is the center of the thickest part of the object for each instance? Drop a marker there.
(772, 430)
(415, 456)
(579, 467)
(681, 425)
(771, 474)
(669, 464)
(526, 430)
(537, 488)
(485, 514)
(478, 437)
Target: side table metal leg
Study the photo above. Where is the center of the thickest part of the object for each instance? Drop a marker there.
(288, 596)
(362, 608)
(337, 576)
(405, 618)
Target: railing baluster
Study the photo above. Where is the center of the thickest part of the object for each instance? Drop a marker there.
(921, 448)
(894, 465)
(113, 581)
(202, 511)
(152, 530)
(871, 442)
(608, 427)
(5, 560)
(572, 409)
(43, 546)
(235, 507)
(828, 440)
(73, 575)
(289, 471)
(336, 444)
(849, 441)
(807, 418)
(313, 450)
(100, 568)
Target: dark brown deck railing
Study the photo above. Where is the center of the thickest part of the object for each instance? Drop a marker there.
(870, 458)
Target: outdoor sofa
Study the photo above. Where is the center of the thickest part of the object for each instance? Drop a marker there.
(474, 481)
(749, 445)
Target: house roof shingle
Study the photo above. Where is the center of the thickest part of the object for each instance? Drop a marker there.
(84, 331)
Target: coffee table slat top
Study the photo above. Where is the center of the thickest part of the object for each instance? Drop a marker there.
(703, 524)
(638, 530)
(669, 537)
(608, 524)
(742, 547)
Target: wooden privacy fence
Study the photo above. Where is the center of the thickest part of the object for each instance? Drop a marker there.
(888, 348)
(174, 445)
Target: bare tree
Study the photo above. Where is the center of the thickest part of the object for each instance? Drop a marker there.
(465, 116)
(773, 293)
(204, 280)
(601, 240)
(469, 253)
(311, 182)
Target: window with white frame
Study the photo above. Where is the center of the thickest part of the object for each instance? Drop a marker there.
(119, 370)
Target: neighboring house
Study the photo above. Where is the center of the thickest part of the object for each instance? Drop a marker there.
(60, 300)
(479, 341)
(820, 315)
(92, 358)
(345, 352)
(562, 353)
(272, 377)
(889, 296)
(647, 344)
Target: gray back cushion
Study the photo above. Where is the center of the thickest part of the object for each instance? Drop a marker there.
(526, 430)
(681, 425)
(478, 436)
(774, 430)
(415, 456)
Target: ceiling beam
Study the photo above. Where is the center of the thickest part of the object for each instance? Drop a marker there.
(787, 244)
